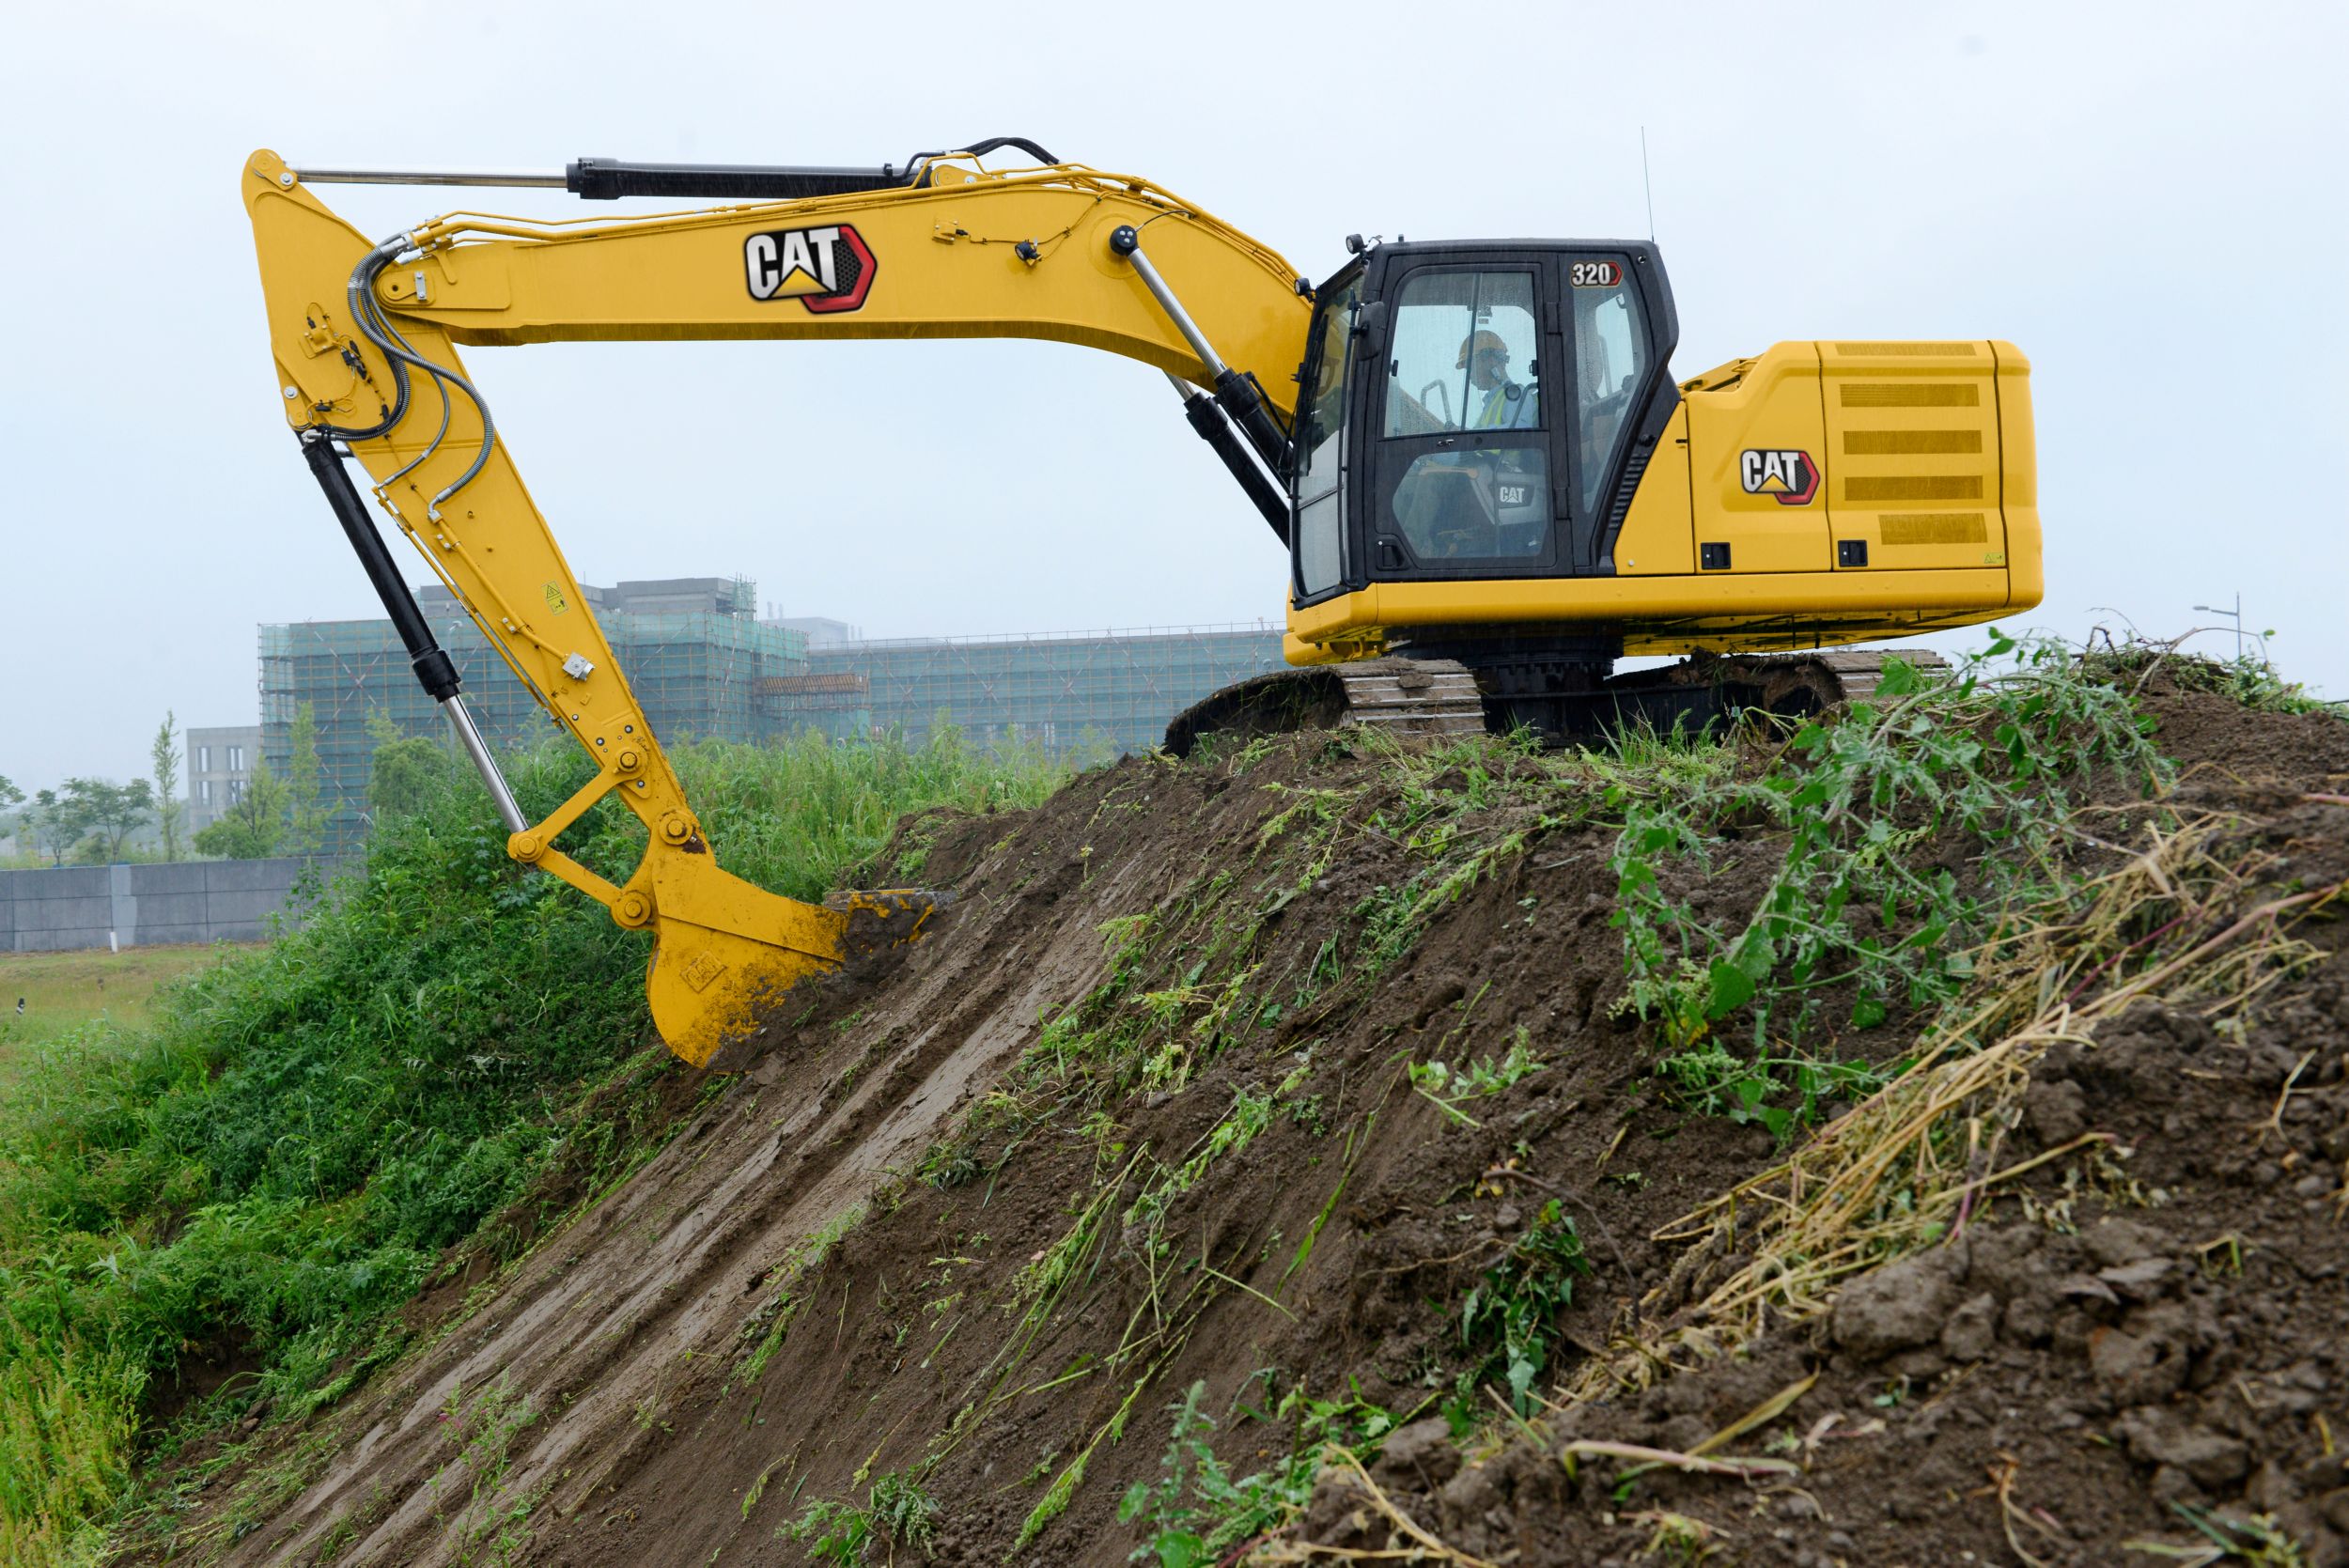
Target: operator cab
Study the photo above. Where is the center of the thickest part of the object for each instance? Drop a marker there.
(1477, 409)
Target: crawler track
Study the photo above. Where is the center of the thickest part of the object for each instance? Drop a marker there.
(1443, 696)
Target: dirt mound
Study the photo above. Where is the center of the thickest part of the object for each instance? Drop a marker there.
(1278, 1072)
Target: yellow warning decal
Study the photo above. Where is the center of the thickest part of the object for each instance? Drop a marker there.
(557, 604)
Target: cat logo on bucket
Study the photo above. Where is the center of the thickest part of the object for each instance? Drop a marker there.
(1787, 475)
(827, 269)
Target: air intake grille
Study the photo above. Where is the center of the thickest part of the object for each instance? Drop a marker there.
(1889, 444)
(1901, 487)
(1907, 350)
(1911, 394)
(1932, 528)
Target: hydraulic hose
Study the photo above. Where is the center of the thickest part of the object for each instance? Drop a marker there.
(395, 350)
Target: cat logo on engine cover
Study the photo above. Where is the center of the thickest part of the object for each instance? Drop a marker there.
(1781, 473)
(828, 270)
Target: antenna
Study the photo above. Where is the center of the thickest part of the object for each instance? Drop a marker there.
(1646, 185)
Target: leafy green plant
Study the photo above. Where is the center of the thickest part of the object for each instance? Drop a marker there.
(1447, 1087)
(833, 1532)
(904, 1512)
(1197, 1512)
(896, 1513)
(1511, 1316)
(1712, 1081)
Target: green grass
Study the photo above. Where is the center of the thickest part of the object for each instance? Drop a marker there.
(282, 1150)
(61, 991)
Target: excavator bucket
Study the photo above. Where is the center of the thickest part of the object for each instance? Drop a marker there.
(726, 953)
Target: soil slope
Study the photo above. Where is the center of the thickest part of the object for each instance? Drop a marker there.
(1139, 1115)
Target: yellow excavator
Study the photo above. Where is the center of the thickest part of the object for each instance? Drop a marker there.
(1489, 486)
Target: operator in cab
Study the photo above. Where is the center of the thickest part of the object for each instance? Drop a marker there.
(1508, 404)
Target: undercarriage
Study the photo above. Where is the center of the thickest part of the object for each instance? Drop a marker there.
(1566, 697)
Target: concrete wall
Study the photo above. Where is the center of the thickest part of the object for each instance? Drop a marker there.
(191, 901)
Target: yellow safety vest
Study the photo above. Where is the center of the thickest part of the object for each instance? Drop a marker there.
(1495, 413)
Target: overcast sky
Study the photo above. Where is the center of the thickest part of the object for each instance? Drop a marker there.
(2148, 198)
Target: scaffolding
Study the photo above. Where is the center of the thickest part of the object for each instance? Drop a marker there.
(697, 676)
(713, 671)
(1070, 693)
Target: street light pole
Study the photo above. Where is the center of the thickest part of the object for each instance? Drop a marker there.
(2236, 614)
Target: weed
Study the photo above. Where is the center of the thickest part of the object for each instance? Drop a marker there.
(486, 1424)
(1196, 1512)
(759, 1490)
(771, 1322)
(833, 1532)
(1446, 1086)
(2255, 1539)
(907, 1514)
(896, 1513)
(1054, 1502)
(1511, 1316)
(2249, 680)
(1710, 1079)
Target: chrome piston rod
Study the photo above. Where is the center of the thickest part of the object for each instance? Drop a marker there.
(1238, 394)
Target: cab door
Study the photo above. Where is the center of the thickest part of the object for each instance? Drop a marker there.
(1467, 478)
(1322, 561)
(1618, 334)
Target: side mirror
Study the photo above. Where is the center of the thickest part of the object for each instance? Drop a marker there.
(1370, 317)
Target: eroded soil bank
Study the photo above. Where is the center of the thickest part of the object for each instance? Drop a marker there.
(1142, 1114)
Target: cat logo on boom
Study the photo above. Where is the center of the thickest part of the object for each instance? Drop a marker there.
(828, 270)
(1784, 473)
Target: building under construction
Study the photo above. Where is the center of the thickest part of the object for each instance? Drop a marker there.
(704, 666)
(1090, 693)
(694, 651)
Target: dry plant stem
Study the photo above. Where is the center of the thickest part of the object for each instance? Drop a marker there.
(2002, 1477)
(2275, 1122)
(1768, 1410)
(1426, 1549)
(1692, 1463)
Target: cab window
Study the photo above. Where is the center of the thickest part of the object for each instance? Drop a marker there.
(1321, 439)
(1463, 355)
(1610, 364)
(1463, 383)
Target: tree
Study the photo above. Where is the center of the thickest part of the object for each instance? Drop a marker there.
(9, 794)
(305, 819)
(169, 808)
(407, 775)
(114, 812)
(92, 820)
(253, 826)
(49, 827)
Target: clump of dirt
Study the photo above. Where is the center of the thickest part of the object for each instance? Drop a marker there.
(1151, 1105)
